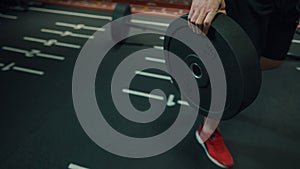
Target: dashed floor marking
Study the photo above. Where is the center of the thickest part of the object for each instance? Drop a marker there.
(67, 33)
(155, 60)
(8, 16)
(33, 53)
(153, 75)
(13, 66)
(51, 42)
(79, 26)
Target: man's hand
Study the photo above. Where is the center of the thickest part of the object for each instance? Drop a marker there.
(202, 12)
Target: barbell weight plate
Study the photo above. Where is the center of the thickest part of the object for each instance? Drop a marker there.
(239, 59)
(121, 10)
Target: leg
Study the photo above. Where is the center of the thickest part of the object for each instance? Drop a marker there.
(267, 64)
(280, 31)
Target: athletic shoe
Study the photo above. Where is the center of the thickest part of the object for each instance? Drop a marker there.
(216, 149)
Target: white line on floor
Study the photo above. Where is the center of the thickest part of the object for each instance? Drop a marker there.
(142, 94)
(1, 64)
(36, 9)
(7, 67)
(94, 16)
(51, 42)
(185, 103)
(35, 39)
(162, 38)
(44, 55)
(296, 41)
(11, 49)
(158, 47)
(8, 16)
(27, 70)
(153, 75)
(79, 26)
(155, 60)
(33, 53)
(170, 101)
(75, 166)
(68, 45)
(67, 33)
(298, 68)
(150, 23)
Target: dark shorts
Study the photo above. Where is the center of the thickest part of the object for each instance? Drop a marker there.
(270, 24)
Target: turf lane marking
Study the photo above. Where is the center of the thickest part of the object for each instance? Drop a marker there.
(109, 18)
(66, 33)
(298, 68)
(11, 49)
(184, 103)
(1, 64)
(79, 26)
(8, 16)
(153, 75)
(75, 166)
(12, 66)
(36, 9)
(155, 60)
(142, 94)
(170, 101)
(8, 67)
(33, 53)
(51, 42)
(48, 56)
(27, 70)
(296, 41)
(158, 47)
(150, 23)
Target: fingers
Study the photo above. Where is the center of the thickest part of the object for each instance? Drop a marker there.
(194, 28)
(202, 12)
(207, 22)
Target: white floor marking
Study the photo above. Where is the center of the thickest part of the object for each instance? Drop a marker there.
(150, 23)
(14, 49)
(155, 60)
(1, 64)
(153, 75)
(181, 102)
(79, 26)
(36, 9)
(298, 68)
(142, 94)
(8, 16)
(27, 70)
(170, 101)
(32, 53)
(51, 42)
(296, 41)
(67, 33)
(8, 67)
(158, 47)
(48, 56)
(75, 166)
(12, 66)
(162, 38)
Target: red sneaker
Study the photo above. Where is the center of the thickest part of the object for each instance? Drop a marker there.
(215, 149)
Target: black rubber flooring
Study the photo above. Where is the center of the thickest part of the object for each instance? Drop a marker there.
(39, 127)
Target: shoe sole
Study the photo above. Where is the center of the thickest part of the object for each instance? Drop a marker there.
(206, 152)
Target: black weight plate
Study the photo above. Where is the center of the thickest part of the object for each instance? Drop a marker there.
(239, 59)
(120, 11)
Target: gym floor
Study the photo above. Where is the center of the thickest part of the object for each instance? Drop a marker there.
(39, 125)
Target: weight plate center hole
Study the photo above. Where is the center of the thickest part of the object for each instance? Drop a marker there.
(196, 69)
